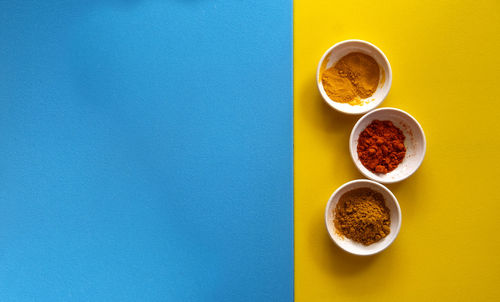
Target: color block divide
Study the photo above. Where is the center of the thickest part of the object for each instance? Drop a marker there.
(179, 150)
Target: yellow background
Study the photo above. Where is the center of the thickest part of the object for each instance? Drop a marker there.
(445, 58)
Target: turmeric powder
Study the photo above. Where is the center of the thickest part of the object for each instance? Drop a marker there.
(361, 215)
(353, 78)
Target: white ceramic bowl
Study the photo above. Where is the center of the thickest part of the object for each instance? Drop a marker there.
(354, 247)
(341, 49)
(414, 142)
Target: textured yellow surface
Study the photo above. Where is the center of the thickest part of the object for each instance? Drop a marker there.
(445, 58)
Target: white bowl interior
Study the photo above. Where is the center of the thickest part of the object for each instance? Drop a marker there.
(355, 247)
(414, 142)
(340, 50)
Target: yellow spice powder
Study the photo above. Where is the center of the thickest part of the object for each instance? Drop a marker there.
(354, 77)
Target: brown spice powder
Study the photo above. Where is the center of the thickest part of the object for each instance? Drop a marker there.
(361, 215)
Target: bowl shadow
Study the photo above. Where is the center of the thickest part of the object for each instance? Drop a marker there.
(320, 114)
(335, 127)
(332, 258)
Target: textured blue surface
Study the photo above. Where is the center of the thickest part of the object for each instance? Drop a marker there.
(146, 150)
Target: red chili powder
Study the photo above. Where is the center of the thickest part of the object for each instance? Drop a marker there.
(381, 146)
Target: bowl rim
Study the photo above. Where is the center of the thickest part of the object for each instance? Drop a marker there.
(382, 187)
(330, 102)
(354, 153)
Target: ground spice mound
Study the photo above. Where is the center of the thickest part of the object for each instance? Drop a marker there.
(361, 215)
(354, 77)
(381, 146)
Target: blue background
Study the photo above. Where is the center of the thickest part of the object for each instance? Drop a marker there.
(146, 150)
